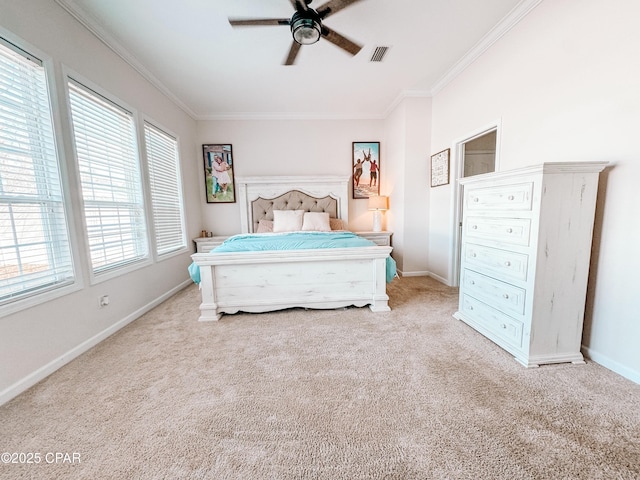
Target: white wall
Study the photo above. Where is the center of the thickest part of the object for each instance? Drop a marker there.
(564, 82)
(317, 147)
(408, 136)
(36, 341)
(289, 147)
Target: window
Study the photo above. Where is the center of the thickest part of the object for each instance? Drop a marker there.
(35, 256)
(106, 149)
(166, 197)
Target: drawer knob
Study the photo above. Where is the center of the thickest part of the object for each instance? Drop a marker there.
(476, 199)
(503, 326)
(511, 197)
(473, 255)
(472, 282)
(475, 227)
(505, 296)
(507, 263)
(509, 230)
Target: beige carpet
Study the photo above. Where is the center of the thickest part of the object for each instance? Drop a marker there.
(348, 394)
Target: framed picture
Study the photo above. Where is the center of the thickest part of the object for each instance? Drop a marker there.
(366, 169)
(218, 173)
(440, 168)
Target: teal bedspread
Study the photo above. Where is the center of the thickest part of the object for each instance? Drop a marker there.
(293, 241)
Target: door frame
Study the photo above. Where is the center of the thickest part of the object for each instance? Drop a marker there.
(457, 191)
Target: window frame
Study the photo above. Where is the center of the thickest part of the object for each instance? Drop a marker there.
(127, 267)
(145, 120)
(75, 283)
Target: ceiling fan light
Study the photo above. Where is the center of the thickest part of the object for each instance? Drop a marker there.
(305, 30)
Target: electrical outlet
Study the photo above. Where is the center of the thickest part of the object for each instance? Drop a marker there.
(103, 301)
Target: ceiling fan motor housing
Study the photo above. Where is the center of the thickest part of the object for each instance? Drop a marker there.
(306, 26)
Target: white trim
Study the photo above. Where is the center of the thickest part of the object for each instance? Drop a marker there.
(291, 116)
(612, 365)
(43, 372)
(404, 95)
(148, 194)
(456, 192)
(94, 278)
(418, 273)
(496, 33)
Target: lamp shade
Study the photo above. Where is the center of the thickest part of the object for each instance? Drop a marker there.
(378, 202)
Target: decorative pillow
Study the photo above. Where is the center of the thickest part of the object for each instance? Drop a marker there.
(265, 226)
(336, 224)
(316, 222)
(287, 220)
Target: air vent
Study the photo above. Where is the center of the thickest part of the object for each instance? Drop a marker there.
(378, 54)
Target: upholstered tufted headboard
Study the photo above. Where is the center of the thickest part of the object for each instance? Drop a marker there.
(262, 208)
(260, 196)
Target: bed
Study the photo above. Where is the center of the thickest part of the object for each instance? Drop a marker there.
(234, 280)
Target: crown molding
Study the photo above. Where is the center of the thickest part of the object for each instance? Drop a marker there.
(94, 27)
(404, 95)
(496, 33)
(290, 116)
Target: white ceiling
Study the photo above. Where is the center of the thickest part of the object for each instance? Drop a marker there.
(188, 49)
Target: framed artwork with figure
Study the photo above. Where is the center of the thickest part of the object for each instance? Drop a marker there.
(218, 173)
(366, 169)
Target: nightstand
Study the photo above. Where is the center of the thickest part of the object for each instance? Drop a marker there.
(380, 238)
(206, 244)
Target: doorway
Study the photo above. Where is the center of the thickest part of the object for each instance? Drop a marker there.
(476, 154)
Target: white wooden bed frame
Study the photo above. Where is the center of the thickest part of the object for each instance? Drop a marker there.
(275, 280)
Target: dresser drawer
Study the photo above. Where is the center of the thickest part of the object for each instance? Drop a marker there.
(514, 231)
(504, 197)
(506, 328)
(503, 296)
(504, 264)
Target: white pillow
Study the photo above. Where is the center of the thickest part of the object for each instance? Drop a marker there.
(287, 220)
(316, 221)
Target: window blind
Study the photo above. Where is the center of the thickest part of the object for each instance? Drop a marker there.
(166, 195)
(106, 149)
(34, 241)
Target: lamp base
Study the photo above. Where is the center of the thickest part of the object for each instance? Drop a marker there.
(377, 221)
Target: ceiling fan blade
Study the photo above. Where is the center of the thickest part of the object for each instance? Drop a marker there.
(252, 22)
(333, 6)
(340, 41)
(293, 53)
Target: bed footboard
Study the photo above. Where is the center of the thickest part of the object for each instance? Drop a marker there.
(275, 280)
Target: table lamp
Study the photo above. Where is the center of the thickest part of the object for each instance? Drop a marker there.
(378, 203)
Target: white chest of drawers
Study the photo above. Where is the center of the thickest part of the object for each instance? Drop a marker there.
(526, 246)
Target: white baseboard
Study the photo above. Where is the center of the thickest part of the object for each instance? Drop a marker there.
(46, 370)
(425, 273)
(612, 365)
(412, 274)
(439, 278)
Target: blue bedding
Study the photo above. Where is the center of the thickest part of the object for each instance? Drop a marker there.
(293, 241)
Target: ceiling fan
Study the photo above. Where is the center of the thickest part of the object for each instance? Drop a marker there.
(306, 26)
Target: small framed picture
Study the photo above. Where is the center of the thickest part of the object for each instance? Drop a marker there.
(218, 173)
(440, 168)
(366, 169)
